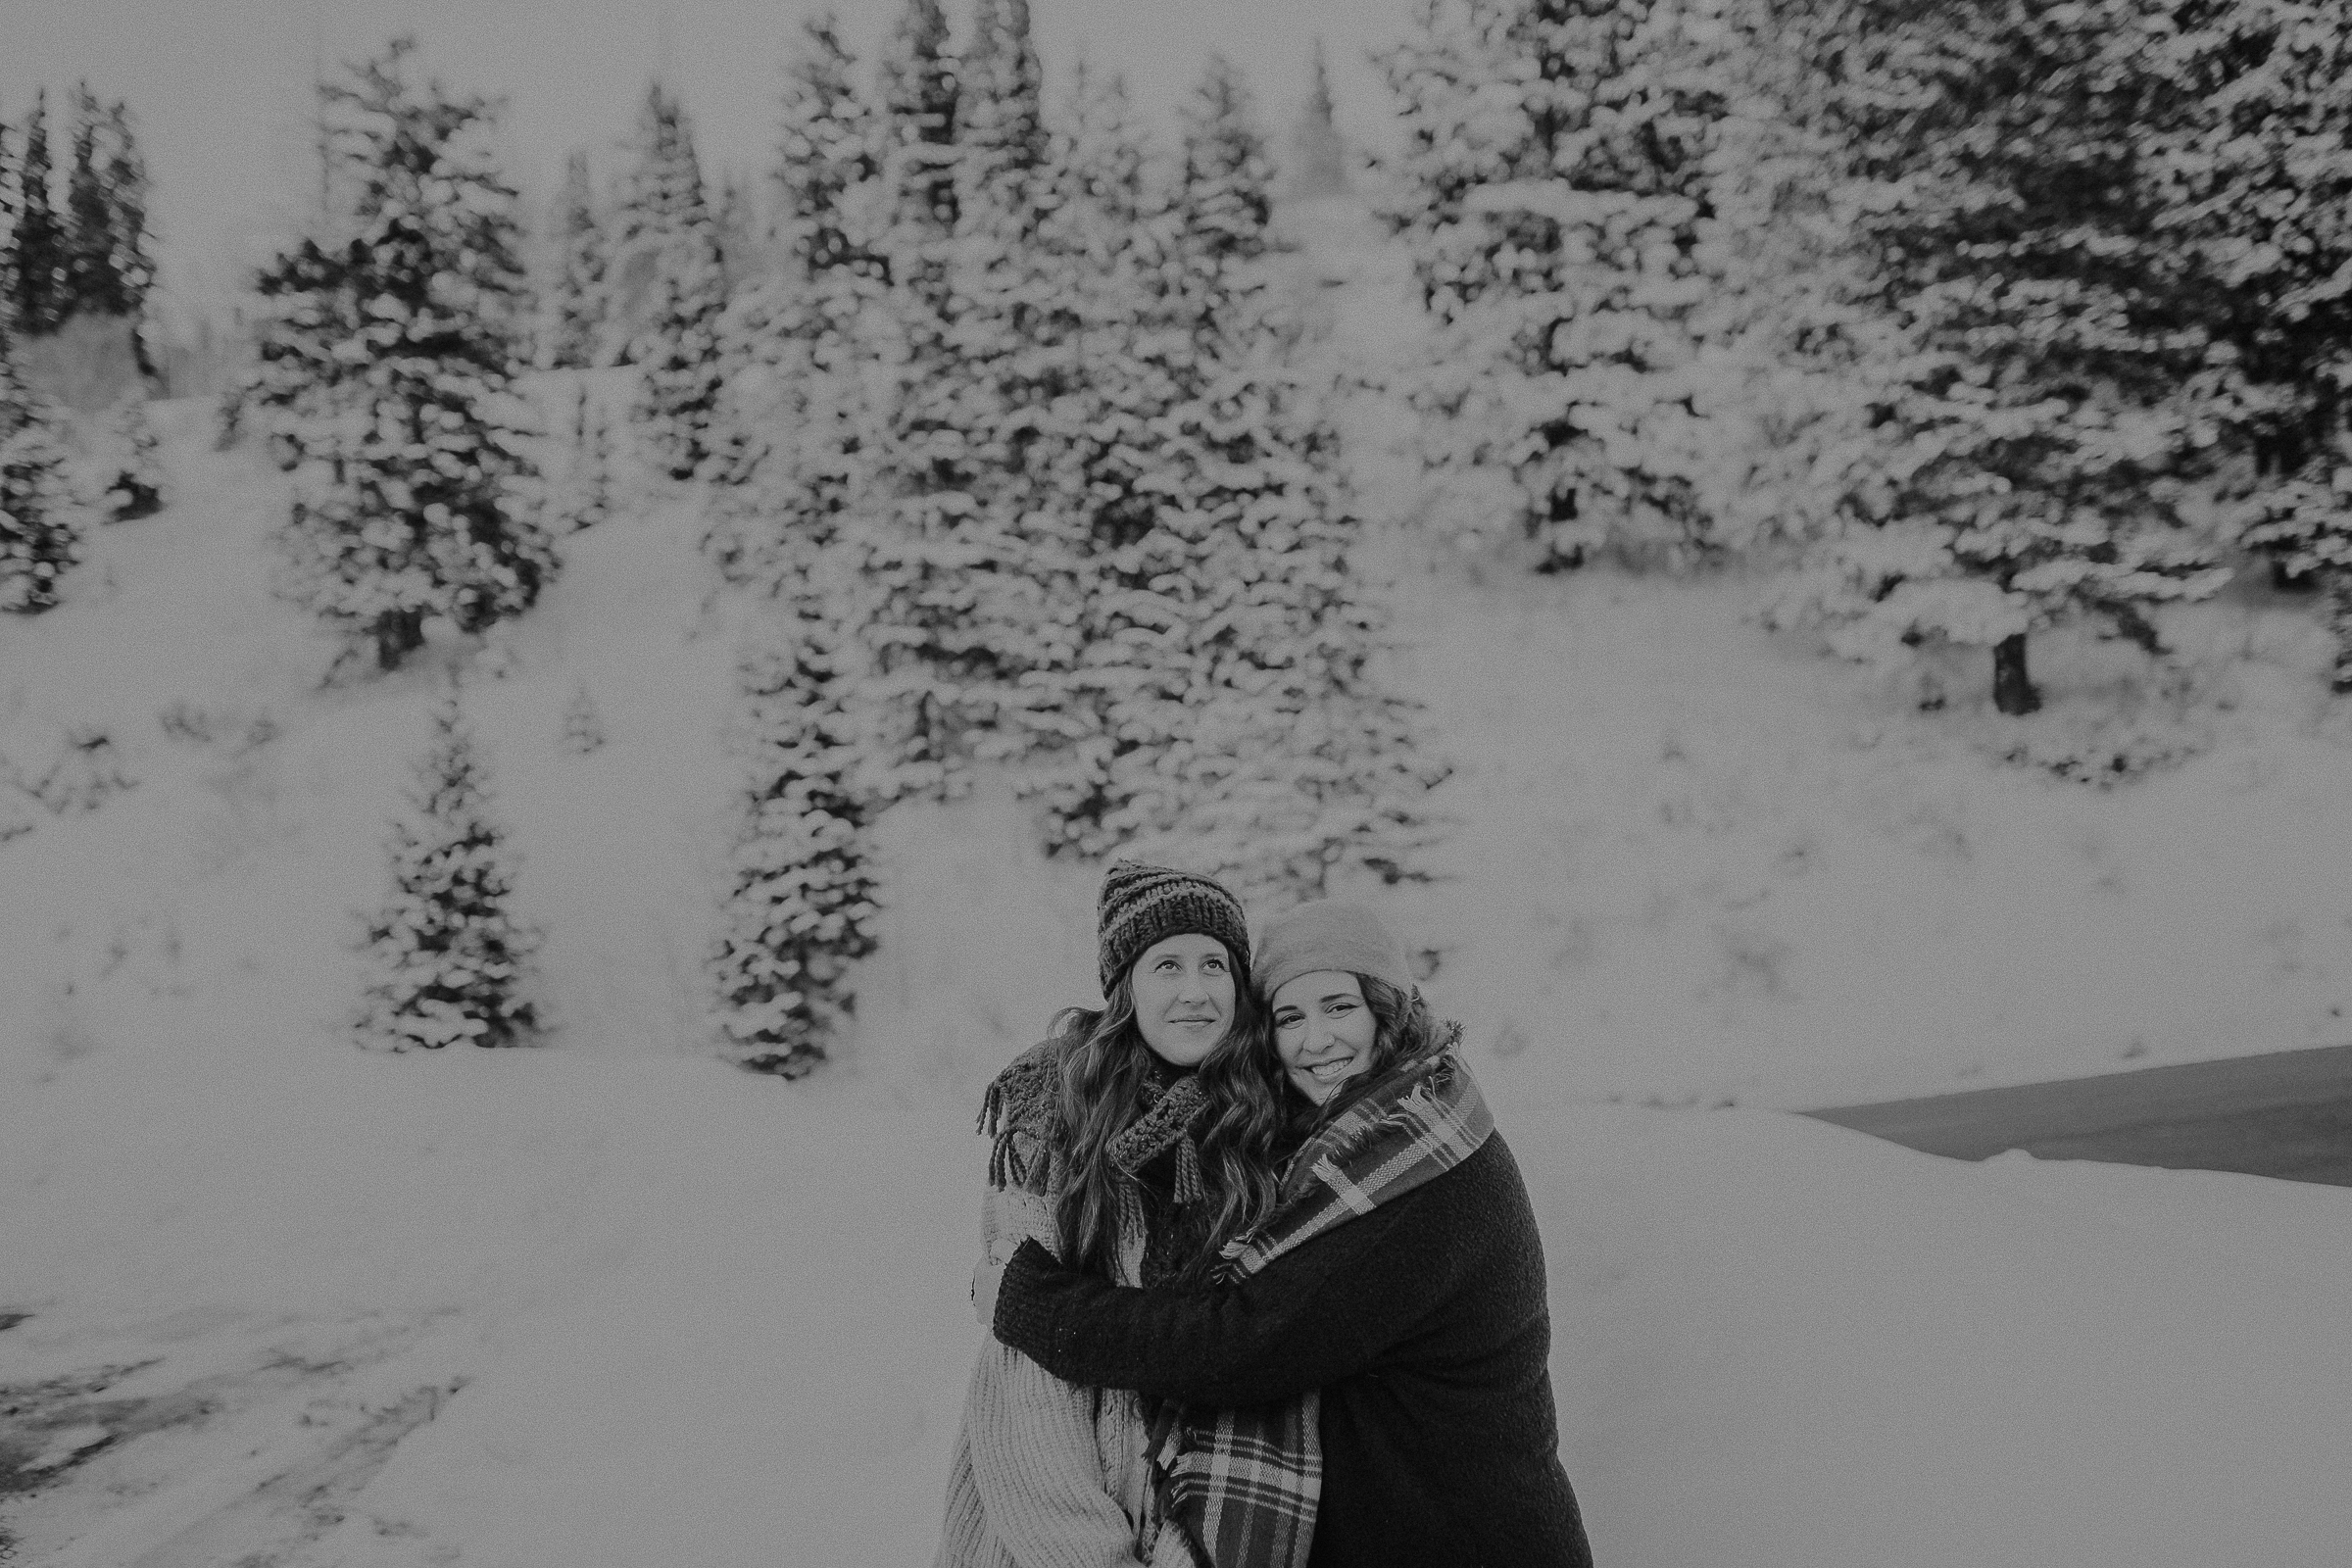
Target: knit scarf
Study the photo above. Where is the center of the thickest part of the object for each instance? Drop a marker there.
(1243, 1484)
(1017, 1114)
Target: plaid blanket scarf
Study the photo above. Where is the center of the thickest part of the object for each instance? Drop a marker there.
(1243, 1484)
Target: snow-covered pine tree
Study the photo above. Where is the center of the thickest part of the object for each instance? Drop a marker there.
(8, 234)
(1231, 647)
(137, 488)
(798, 343)
(583, 725)
(2246, 149)
(389, 369)
(800, 906)
(1011, 388)
(2062, 396)
(448, 959)
(677, 355)
(306, 306)
(583, 498)
(736, 228)
(916, 88)
(1111, 232)
(89, 283)
(575, 305)
(1612, 215)
(931, 675)
(40, 536)
(825, 151)
(129, 261)
(670, 287)
(1318, 153)
(662, 224)
(1226, 196)
(37, 244)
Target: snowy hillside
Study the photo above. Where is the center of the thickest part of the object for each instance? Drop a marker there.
(610, 1302)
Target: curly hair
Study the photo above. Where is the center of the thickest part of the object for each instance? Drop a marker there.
(1105, 1065)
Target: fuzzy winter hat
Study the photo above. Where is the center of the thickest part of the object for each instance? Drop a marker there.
(1328, 934)
(1141, 904)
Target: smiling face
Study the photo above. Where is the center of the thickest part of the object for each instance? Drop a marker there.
(1183, 989)
(1323, 1031)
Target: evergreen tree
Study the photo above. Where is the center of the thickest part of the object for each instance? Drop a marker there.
(1615, 219)
(1010, 388)
(825, 152)
(736, 228)
(8, 236)
(385, 361)
(575, 306)
(307, 305)
(935, 680)
(1000, 133)
(2246, 155)
(662, 222)
(137, 488)
(1228, 179)
(678, 355)
(800, 344)
(586, 498)
(665, 194)
(2062, 396)
(90, 284)
(37, 248)
(919, 100)
(1318, 153)
(1227, 678)
(128, 264)
(39, 540)
(583, 725)
(799, 907)
(673, 281)
(449, 959)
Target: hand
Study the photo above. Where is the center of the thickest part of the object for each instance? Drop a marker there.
(987, 1280)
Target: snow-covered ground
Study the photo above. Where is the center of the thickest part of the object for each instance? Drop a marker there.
(608, 1302)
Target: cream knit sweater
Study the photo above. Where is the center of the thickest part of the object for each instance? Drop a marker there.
(1047, 1474)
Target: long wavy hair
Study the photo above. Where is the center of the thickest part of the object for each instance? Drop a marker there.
(1105, 1065)
(1404, 1034)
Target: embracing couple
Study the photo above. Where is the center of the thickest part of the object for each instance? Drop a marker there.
(1265, 1286)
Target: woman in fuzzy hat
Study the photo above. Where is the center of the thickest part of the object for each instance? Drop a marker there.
(1131, 1144)
(1397, 1285)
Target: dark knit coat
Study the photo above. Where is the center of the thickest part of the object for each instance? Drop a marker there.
(1425, 1325)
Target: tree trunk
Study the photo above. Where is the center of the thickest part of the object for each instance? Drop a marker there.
(398, 634)
(2012, 692)
(2291, 582)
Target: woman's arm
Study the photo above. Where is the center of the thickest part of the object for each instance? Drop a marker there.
(1035, 1461)
(1327, 1310)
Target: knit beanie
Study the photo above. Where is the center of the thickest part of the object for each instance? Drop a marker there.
(1327, 934)
(1141, 904)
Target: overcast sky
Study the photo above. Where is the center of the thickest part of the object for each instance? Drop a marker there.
(221, 89)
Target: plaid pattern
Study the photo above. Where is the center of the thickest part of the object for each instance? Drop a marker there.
(1243, 1484)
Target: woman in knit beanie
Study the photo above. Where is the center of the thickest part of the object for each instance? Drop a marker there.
(1135, 1141)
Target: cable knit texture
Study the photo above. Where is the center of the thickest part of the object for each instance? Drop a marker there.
(1045, 1473)
(1142, 905)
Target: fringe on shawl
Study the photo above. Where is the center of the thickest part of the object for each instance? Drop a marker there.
(1017, 1109)
(1017, 1106)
